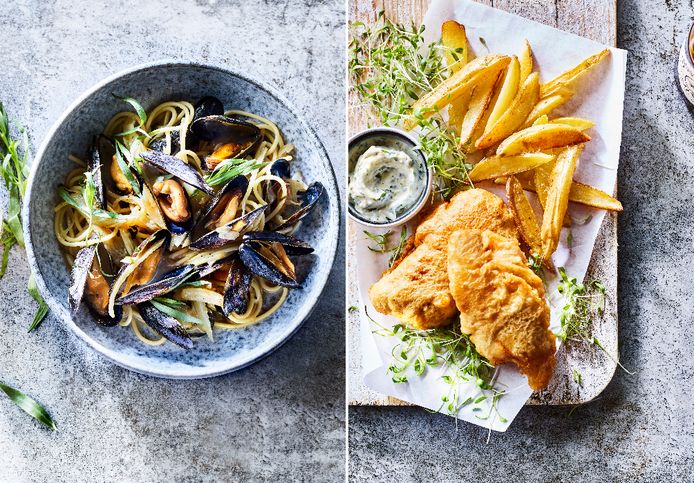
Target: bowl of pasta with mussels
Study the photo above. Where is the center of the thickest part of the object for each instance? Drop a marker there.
(181, 219)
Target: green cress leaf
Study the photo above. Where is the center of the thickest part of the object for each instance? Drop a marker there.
(123, 165)
(43, 306)
(176, 314)
(230, 168)
(141, 113)
(29, 406)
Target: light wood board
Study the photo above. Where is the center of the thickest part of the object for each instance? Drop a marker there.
(594, 19)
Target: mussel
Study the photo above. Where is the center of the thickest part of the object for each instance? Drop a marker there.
(222, 137)
(154, 275)
(265, 254)
(237, 282)
(208, 106)
(165, 176)
(228, 233)
(308, 199)
(91, 278)
(160, 144)
(165, 325)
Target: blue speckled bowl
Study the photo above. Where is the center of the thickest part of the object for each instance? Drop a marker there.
(152, 84)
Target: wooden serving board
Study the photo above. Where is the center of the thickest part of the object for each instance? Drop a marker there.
(594, 19)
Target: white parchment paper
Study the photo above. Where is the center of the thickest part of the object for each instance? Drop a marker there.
(599, 97)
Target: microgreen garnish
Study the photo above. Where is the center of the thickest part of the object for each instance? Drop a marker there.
(576, 376)
(29, 406)
(381, 241)
(582, 303)
(535, 264)
(390, 69)
(419, 350)
(231, 168)
(15, 156)
(352, 308)
(397, 249)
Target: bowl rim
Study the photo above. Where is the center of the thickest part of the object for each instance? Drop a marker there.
(424, 198)
(191, 372)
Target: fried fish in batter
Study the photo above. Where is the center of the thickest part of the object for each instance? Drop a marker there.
(416, 290)
(502, 303)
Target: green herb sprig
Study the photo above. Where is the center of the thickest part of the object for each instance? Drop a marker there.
(382, 242)
(390, 69)
(29, 406)
(230, 168)
(419, 350)
(14, 171)
(582, 304)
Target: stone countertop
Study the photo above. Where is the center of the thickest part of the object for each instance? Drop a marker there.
(282, 418)
(641, 428)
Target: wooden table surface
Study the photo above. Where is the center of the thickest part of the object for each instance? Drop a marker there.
(594, 19)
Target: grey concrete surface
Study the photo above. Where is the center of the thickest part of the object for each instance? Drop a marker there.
(279, 420)
(642, 427)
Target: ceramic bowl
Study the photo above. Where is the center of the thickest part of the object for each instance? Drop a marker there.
(73, 132)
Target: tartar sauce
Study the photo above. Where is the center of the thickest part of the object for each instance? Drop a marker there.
(384, 184)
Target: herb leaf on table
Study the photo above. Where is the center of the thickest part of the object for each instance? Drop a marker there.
(14, 171)
(29, 406)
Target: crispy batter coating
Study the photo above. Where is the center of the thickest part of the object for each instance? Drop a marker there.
(416, 290)
(502, 303)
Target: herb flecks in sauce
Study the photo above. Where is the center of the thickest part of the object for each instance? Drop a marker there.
(385, 183)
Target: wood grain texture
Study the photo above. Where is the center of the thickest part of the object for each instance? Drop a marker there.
(594, 19)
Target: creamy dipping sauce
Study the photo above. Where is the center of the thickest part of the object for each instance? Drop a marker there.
(385, 183)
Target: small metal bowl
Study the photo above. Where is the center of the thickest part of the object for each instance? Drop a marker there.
(388, 137)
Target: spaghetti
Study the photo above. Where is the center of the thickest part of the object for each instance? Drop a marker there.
(112, 210)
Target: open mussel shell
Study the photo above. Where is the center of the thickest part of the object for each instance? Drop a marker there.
(152, 268)
(228, 233)
(292, 245)
(281, 168)
(165, 325)
(237, 288)
(226, 203)
(90, 281)
(163, 284)
(98, 162)
(176, 167)
(208, 106)
(223, 137)
(309, 198)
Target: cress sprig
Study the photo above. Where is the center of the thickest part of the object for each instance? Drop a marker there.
(390, 68)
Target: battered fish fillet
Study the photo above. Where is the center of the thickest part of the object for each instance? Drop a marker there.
(416, 291)
(502, 303)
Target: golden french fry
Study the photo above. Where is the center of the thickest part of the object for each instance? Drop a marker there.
(543, 119)
(476, 72)
(481, 97)
(577, 122)
(572, 75)
(539, 138)
(525, 218)
(454, 40)
(544, 107)
(589, 196)
(514, 116)
(508, 91)
(542, 177)
(558, 199)
(496, 166)
(525, 59)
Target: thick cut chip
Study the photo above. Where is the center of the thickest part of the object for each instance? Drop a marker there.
(525, 59)
(568, 78)
(502, 303)
(528, 227)
(541, 120)
(479, 102)
(478, 71)
(577, 122)
(454, 40)
(544, 107)
(513, 117)
(558, 199)
(589, 196)
(496, 166)
(540, 138)
(507, 93)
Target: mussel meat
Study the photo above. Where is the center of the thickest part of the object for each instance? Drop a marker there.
(90, 280)
(265, 254)
(165, 325)
(309, 198)
(154, 275)
(222, 208)
(176, 167)
(223, 138)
